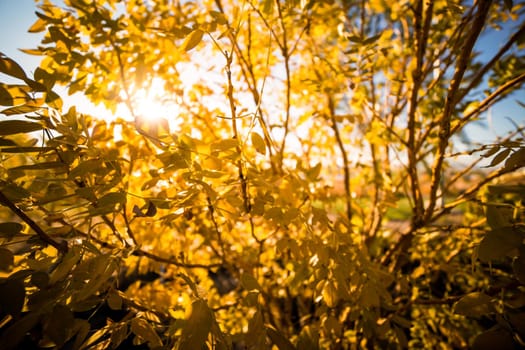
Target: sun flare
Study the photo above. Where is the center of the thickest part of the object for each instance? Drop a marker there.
(153, 105)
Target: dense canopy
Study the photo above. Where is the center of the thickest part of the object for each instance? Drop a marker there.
(275, 175)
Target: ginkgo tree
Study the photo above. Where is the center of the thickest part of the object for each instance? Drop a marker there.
(307, 186)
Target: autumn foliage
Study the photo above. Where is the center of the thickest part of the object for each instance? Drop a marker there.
(309, 183)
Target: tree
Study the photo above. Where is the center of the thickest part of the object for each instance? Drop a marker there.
(312, 187)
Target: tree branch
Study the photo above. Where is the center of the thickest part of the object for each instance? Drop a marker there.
(60, 246)
(451, 100)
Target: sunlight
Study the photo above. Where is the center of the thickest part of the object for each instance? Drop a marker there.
(152, 105)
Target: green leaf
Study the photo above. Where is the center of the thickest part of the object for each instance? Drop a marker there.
(143, 329)
(11, 127)
(258, 143)
(11, 68)
(198, 326)
(192, 40)
(498, 243)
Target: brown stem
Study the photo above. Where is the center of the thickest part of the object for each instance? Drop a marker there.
(451, 100)
(60, 246)
(421, 36)
(286, 57)
(249, 76)
(481, 73)
(211, 209)
(141, 252)
(491, 99)
(242, 177)
(346, 169)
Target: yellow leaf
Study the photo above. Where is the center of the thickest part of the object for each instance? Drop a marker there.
(330, 294)
(38, 26)
(258, 143)
(192, 40)
(472, 107)
(223, 145)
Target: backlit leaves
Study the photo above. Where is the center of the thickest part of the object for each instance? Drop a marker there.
(330, 295)
(258, 143)
(183, 236)
(192, 40)
(38, 26)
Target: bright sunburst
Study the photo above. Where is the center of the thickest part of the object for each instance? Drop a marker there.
(152, 105)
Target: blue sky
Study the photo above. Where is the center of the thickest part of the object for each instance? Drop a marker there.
(16, 16)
